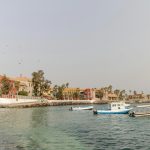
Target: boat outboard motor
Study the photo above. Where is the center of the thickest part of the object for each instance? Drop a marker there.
(132, 114)
(94, 111)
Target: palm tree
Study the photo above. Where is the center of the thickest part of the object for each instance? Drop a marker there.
(117, 92)
(110, 88)
(122, 94)
(67, 85)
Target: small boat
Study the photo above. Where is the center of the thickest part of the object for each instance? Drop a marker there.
(115, 108)
(82, 108)
(140, 114)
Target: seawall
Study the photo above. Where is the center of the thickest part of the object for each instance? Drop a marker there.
(44, 103)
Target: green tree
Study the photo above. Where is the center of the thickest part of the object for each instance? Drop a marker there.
(40, 84)
(122, 95)
(117, 92)
(58, 91)
(55, 90)
(6, 85)
(59, 94)
(76, 95)
(67, 85)
(99, 94)
(109, 88)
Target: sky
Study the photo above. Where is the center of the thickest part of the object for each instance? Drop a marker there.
(88, 43)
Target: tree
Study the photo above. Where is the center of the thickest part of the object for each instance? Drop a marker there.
(45, 87)
(110, 88)
(67, 85)
(76, 95)
(6, 86)
(117, 92)
(40, 84)
(55, 90)
(58, 91)
(99, 94)
(122, 95)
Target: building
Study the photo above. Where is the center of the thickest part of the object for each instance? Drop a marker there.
(137, 96)
(89, 94)
(112, 96)
(109, 96)
(71, 93)
(79, 94)
(25, 84)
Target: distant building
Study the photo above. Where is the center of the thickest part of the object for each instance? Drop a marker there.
(25, 84)
(77, 93)
(137, 96)
(89, 94)
(112, 96)
(109, 96)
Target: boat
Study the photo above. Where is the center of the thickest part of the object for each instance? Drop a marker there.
(140, 114)
(115, 108)
(82, 108)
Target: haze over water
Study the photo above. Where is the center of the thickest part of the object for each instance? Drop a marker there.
(89, 44)
(54, 128)
(86, 43)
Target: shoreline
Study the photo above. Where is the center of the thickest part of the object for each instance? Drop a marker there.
(48, 103)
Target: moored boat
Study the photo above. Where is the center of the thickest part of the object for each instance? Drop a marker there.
(115, 108)
(82, 108)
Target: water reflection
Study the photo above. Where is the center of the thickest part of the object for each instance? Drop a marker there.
(53, 128)
(39, 117)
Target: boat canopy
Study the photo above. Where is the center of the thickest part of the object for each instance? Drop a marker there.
(118, 105)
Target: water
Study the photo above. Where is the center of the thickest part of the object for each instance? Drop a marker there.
(56, 128)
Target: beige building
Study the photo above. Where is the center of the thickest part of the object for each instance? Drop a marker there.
(109, 96)
(25, 84)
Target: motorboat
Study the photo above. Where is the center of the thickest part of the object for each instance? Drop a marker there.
(82, 108)
(115, 108)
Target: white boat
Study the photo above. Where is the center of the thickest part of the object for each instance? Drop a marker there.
(115, 108)
(81, 108)
(143, 106)
(140, 114)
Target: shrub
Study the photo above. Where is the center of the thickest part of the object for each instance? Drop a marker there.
(23, 93)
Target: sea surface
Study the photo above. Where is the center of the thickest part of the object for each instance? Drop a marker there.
(57, 128)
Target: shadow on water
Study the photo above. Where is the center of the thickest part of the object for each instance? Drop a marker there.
(37, 136)
(33, 131)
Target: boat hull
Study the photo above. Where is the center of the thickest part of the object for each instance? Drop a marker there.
(126, 111)
(82, 108)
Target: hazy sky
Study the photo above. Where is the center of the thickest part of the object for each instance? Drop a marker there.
(88, 43)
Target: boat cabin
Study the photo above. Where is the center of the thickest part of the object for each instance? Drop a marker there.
(118, 105)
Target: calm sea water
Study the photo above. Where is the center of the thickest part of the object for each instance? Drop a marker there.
(56, 128)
